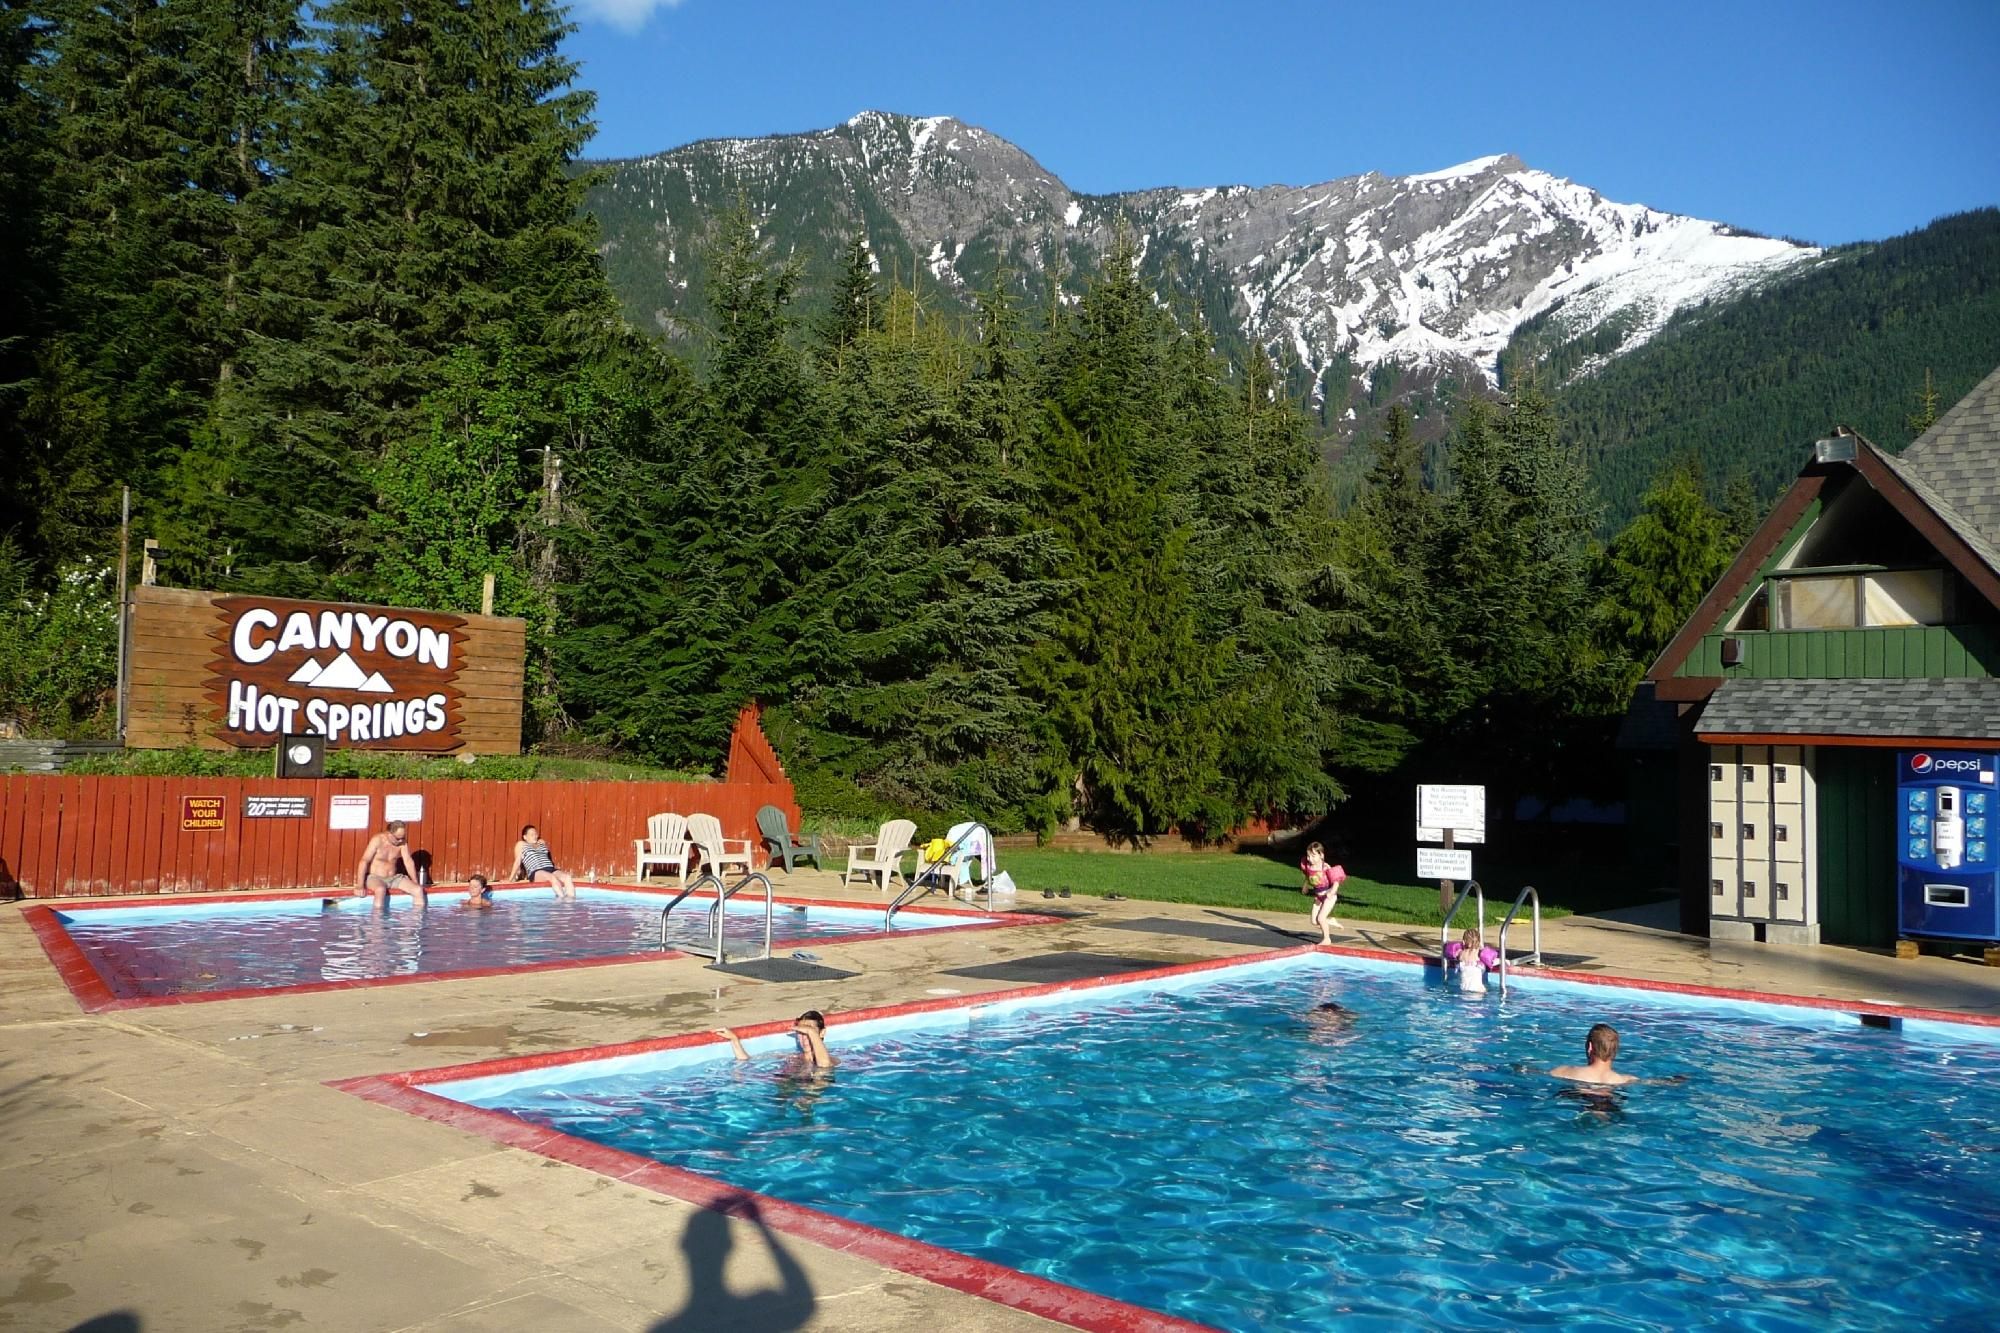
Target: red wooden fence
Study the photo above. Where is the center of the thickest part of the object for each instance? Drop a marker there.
(63, 836)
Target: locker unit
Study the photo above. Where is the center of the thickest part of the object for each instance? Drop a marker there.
(1762, 882)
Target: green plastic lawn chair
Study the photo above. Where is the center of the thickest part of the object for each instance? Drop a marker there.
(777, 836)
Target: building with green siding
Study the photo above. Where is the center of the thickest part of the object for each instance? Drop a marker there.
(1862, 618)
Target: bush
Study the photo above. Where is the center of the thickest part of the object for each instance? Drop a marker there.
(58, 648)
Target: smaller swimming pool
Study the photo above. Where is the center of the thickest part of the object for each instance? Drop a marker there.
(175, 951)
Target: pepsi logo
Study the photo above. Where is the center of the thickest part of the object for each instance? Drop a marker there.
(1920, 763)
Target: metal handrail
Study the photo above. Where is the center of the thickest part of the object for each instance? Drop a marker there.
(718, 913)
(1527, 894)
(920, 885)
(665, 912)
(1479, 895)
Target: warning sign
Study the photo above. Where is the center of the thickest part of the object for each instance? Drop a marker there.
(200, 812)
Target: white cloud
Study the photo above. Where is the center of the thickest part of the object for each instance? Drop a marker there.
(626, 15)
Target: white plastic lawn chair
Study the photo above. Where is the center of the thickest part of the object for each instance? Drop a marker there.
(665, 844)
(714, 851)
(884, 856)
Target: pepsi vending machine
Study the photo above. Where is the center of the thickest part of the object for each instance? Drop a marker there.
(1947, 804)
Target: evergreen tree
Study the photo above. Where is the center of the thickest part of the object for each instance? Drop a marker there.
(1123, 681)
(856, 307)
(1658, 569)
(426, 203)
(929, 583)
(1388, 547)
(1926, 414)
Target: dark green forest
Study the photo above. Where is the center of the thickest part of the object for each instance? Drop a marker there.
(317, 285)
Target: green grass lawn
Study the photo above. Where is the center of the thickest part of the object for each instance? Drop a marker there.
(1270, 884)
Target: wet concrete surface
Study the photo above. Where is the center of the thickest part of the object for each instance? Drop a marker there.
(183, 1167)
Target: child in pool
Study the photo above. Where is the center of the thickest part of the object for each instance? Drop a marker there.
(1467, 961)
(1323, 883)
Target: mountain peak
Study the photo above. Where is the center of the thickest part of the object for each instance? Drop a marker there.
(1438, 268)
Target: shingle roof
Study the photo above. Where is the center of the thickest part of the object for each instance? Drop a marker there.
(1955, 467)
(1930, 709)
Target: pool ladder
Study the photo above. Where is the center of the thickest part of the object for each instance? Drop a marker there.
(1527, 895)
(716, 949)
(941, 874)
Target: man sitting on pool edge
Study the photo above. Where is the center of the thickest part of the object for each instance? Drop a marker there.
(1600, 1048)
(380, 861)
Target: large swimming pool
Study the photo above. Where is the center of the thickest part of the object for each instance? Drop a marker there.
(185, 950)
(1196, 1146)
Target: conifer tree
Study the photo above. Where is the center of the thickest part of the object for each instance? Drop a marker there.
(1123, 680)
(1658, 569)
(856, 307)
(426, 203)
(1388, 547)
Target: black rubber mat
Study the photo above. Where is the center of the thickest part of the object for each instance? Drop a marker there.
(1259, 936)
(781, 969)
(1040, 968)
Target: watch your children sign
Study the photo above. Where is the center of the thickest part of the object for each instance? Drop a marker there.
(227, 670)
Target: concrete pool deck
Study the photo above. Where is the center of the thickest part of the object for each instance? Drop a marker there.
(184, 1166)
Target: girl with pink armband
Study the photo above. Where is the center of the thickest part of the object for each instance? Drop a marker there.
(1467, 960)
(1323, 883)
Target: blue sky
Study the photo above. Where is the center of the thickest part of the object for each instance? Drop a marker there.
(1831, 121)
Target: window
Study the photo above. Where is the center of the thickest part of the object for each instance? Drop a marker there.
(1853, 599)
(1784, 892)
(1778, 834)
(1715, 830)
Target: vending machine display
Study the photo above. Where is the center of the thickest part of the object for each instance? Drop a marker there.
(1949, 876)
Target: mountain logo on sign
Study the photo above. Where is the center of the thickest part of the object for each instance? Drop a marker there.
(342, 673)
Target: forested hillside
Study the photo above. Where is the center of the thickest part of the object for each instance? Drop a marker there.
(316, 286)
(1747, 385)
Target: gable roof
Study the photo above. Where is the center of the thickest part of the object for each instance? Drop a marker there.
(1955, 466)
(1946, 484)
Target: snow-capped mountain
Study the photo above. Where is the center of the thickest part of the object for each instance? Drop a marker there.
(1431, 270)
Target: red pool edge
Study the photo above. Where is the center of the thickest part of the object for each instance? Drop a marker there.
(94, 994)
(947, 1268)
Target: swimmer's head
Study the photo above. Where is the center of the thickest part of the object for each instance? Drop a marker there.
(1470, 939)
(812, 1020)
(476, 886)
(1602, 1042)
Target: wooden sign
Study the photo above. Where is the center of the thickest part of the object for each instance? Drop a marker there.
(379, 678)
(223, 670)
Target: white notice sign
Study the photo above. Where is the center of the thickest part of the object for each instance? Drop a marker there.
(1439, 863)
(1462, 809)
(347, 812)
(409, 808)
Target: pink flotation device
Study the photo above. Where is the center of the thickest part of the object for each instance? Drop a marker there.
(1453, 950)
(1489, 958)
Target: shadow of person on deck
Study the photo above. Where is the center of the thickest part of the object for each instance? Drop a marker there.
(711, 1306)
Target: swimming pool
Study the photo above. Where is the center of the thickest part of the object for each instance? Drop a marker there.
(176, 951)
(1188, 1144)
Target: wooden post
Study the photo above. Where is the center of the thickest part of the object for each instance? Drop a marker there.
(1448, 889)
(124, 617)
(149, 569)
(486, 596)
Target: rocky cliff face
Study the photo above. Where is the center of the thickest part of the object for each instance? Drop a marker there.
(1437, 270)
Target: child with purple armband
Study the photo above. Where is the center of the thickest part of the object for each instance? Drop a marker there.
(1467, 960)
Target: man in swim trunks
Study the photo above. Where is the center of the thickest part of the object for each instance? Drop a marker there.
(380, 872)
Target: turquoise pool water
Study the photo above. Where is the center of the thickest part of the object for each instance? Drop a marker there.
(193, 948)
(1200, 1148)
